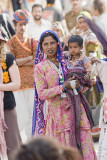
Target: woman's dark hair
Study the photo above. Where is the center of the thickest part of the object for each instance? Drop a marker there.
(99, 5)
(47, 34)
(41, 148)
(50, 1)
(76, 38)
(37, 5)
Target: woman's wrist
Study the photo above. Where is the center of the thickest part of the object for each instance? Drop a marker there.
(63, 87)
(80, 89)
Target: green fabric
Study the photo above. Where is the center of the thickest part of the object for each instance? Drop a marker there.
(92, 48)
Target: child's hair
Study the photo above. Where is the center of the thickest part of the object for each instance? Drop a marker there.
(41, 148)
(76, 38)
(71, 154)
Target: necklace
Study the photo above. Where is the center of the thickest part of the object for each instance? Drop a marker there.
(58, 69)
(73, 58)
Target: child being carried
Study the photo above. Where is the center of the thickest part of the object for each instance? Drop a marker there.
(78, 64)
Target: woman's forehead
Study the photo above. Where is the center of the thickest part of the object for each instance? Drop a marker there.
(81, 19)
(48, 39)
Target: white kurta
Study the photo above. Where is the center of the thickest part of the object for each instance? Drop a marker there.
(100, 70)
(34, 30)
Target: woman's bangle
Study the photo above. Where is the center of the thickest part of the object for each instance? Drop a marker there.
(63, 88)
(79, 89)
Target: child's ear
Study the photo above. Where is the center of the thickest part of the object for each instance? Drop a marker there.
(81, 47)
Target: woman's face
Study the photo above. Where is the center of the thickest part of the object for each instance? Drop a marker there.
(82, 24)
(58, 31)
(20, 28)
(50, 46)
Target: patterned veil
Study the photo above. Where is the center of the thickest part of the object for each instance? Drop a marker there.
(38, 122)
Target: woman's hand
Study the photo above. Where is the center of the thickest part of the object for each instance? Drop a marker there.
(67, 83)
(77, 84)
(95, 59)
(94, 41)
(66, 40)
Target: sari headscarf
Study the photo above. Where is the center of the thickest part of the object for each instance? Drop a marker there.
(38, 123)
(82, 14)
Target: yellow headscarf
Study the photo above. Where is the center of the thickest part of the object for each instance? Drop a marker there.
(84, 13)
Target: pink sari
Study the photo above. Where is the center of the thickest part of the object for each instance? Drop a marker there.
(2, 121)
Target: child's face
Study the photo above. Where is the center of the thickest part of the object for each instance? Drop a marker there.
(74, 48)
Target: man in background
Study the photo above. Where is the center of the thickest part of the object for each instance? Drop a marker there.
(71, 16)
(37, 24)
(51, 13)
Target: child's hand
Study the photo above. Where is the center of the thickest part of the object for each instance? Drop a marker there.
(77, 84)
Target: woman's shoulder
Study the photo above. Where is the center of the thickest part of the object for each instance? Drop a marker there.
(31, 41)
(10, 56)
(91, 35)
(42, 64)
(10, 59)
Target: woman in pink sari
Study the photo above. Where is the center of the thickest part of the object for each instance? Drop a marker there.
(57, 113)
